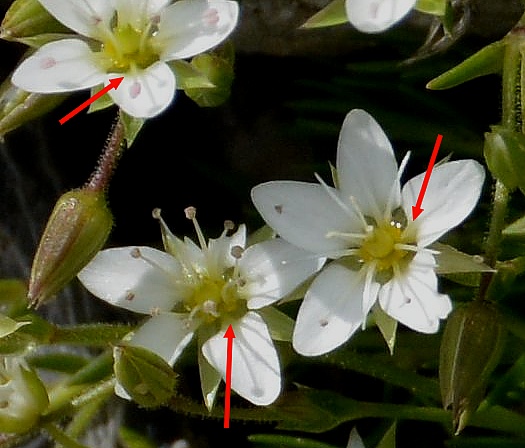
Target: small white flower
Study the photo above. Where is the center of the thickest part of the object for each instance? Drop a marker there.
(366, 224)
(192, 290)
(130, 38)
(375, 16)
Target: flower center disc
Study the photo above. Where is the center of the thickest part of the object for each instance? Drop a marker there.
(380, 246)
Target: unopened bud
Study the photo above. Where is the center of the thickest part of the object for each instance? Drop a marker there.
(26, 20)
(218, 68)
(470, 350)
(76, 230)
(23, 399)
(17, 106)
(145, 376)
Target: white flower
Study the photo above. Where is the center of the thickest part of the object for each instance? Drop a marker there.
(366, 224)
(374, 16)
(129, 38)
(192, 290)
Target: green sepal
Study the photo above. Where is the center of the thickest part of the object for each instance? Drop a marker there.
(132, 127)
(451, 261)
(504, 279)
(188, 76)
(434, 7)
(331, 15)
(18, 107)
(37, 331)
(516, 229)
(210, 378)
(279, 324)
(9, 326)
(504, 152)
(470, 350)
(42, 39)
(387, 326)
(77, 229)
(261, 234)
(144, 375)
(488, 60)
(133, 439)
(102, 103)
(28, 18)
(389, 439)
(217, 66)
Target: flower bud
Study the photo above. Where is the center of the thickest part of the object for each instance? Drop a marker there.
(145, 376)
(470, 350)
(218, 68)
(27, 19)
(76, 230)
(23, 396)
(17, 106)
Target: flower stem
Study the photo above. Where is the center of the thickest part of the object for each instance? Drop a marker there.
(115, 146)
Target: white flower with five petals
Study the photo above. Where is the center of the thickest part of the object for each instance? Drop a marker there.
(375, 16)
(133, 39)
(381, 254)
(199, 291)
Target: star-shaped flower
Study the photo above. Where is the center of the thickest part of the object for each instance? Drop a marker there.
(199, 291)
(375, 16)
(365, 224)
(130, 38)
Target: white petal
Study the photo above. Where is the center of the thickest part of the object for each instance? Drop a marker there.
(145, 93)
(374, 16)
(139, 284)
(331, 312)
(61, 66)
(190, 27)
(366, 165)
(165, 334)
(452, 193)
(83, 16)
(256, 373)
(274, 268)
(304, 214)
(413, 298)
(219, 254)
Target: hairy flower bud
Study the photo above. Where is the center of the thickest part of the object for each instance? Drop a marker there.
(144, 375)
(23, 396)
(76, 230)
(470, 350)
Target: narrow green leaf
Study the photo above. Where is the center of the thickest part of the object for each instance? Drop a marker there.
(486, 61)
(389, 439)
(333, 14)
(58, 362)
(516, 229)
(92, 335)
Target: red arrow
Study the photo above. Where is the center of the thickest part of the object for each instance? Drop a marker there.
(113, 84)
(230, 335)
(417, 210)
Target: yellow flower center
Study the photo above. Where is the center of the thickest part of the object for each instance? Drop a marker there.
(381, 246)
(215, 298)
(124, 47)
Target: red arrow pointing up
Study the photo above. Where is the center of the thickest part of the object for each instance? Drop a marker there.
(113, 84)
(230, 335)
(417, 210)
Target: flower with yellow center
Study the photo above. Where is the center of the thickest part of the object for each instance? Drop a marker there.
(380, 254)
(131, 38)
(198, 291)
